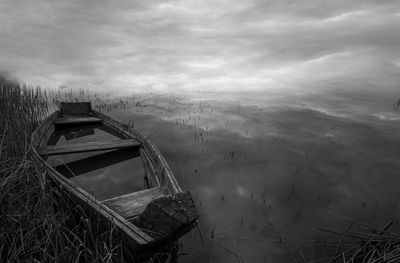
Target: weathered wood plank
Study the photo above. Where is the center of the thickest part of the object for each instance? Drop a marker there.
(150, 171)
(162, 171)
(89, 147)
(168, 215)
(135, 240)
(92, 163)
(76, 120)
(133, 204)
(138, 241)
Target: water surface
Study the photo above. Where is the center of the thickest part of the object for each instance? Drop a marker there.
(266, 172)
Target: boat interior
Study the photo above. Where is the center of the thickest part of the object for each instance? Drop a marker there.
(83, 145)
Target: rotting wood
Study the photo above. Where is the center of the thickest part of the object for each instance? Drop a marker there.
(76, 120)
(168, 214)
(162, 170)
(137, 242)
(150, 171)
(134, 238)
(89, 147)
(165, 174)
(131, 205)
(95, 162)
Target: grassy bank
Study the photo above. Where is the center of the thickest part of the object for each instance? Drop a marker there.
(37, 222)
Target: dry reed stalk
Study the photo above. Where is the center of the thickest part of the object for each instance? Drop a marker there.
(38, 222)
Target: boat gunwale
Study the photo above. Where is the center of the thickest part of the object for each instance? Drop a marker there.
(162, 176)
(152, 152)
(140, 238)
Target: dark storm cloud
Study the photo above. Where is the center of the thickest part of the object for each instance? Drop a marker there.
(199, 45)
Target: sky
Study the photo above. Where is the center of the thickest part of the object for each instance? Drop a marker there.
(188, 45)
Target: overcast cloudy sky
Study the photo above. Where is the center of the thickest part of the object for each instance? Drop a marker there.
(202, 45)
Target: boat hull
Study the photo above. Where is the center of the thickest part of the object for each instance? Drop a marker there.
(130, 231)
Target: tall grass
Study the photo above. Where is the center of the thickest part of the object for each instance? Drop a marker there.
(21, 109)
(38, 223)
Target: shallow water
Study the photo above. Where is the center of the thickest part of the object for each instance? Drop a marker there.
(96, 172)
(266, 173)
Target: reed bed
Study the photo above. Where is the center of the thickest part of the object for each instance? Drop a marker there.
(38, 222)
(359, 242)
(21, 109)
(362, 242)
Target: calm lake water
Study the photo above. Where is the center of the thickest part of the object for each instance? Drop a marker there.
(266, 172)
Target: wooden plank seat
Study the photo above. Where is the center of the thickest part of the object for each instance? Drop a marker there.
(89, 147)
(95, 162)
(133, 204)
(76, 120)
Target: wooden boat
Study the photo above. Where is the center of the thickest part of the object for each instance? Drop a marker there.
(145, 220)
